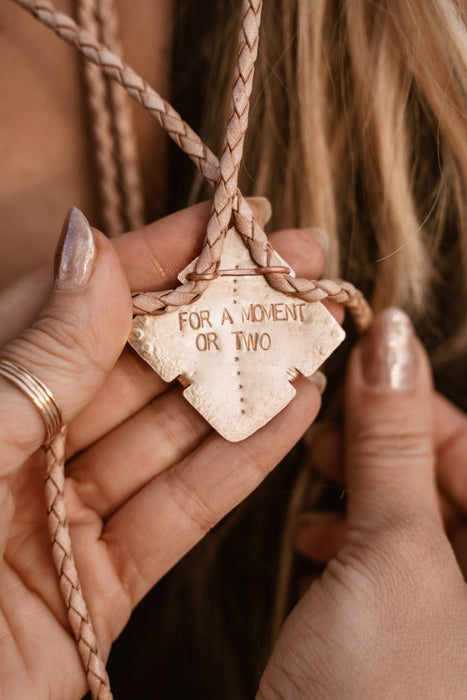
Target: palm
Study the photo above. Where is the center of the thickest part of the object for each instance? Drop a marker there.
(146, 479)
(35, 638)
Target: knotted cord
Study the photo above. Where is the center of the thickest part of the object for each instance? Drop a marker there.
(228, 204)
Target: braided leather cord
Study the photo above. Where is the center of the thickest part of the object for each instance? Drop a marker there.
(62, 553)
(115, 145)
(261, 251)
(228, 203)
(122, 121)
(232, 151)
(103, 135)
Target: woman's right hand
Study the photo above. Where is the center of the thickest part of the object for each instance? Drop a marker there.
(146, 475)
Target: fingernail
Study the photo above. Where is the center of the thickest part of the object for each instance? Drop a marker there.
(388, 352)
(321, 237)
(319, 380)
(75, 254)
(262, 207)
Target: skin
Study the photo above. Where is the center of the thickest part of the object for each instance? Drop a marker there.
(44, 135)
(387, 617)
(129, 523)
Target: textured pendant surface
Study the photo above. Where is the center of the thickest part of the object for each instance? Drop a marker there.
(237, 349)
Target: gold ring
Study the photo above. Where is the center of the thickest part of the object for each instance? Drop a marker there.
(40, 395)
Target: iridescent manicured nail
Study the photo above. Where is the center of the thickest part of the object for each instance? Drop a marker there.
(388, 352)
(75, 254)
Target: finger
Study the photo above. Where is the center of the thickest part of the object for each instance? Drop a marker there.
(75, 340)
(262, 209)
(132, 383)
(178, 507)
(305, 250)
(388, 428)
(326, 445)
(451, 450)
(160, 435)
(129, 387)
(319, 536)
(153, 256)
(21, 301)
(301, 250)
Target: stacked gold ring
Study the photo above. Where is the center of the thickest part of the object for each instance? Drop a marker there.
(40, 395)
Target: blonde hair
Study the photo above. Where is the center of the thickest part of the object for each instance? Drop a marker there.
(358, 125)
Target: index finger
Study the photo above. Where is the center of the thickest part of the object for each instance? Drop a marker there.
(153, 256)
(450, 435)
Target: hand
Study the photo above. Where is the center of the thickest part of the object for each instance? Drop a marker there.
(388, 616)
(146, 476)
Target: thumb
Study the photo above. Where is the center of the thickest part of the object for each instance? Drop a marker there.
(73, 343)
(389, 442)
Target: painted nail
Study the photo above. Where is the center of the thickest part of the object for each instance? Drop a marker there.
(388, 352)
(75, 254)
(262, 207)
(319, 380)
(321, 237)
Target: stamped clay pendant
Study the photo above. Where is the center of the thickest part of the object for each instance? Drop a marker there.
(237, 349)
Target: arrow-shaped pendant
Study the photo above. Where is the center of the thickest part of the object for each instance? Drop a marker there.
(237, 349)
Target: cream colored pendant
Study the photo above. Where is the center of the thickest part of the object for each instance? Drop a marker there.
(237, 349)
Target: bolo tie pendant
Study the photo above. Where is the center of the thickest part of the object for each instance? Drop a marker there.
(241, 326)
(239, 347)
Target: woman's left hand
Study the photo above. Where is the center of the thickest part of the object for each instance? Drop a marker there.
(388, 616)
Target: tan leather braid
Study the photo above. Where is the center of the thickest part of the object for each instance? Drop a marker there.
(103, 135)
(256, 240)
(227, 201)
(122, 120)
(70, 586)
(232, 151)
(113, 66)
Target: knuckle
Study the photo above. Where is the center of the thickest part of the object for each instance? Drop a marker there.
(390, 443)
(189, 501)
(258, 459)
(182, 427)
(161, 265)
(59, 344)
(56, 336)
